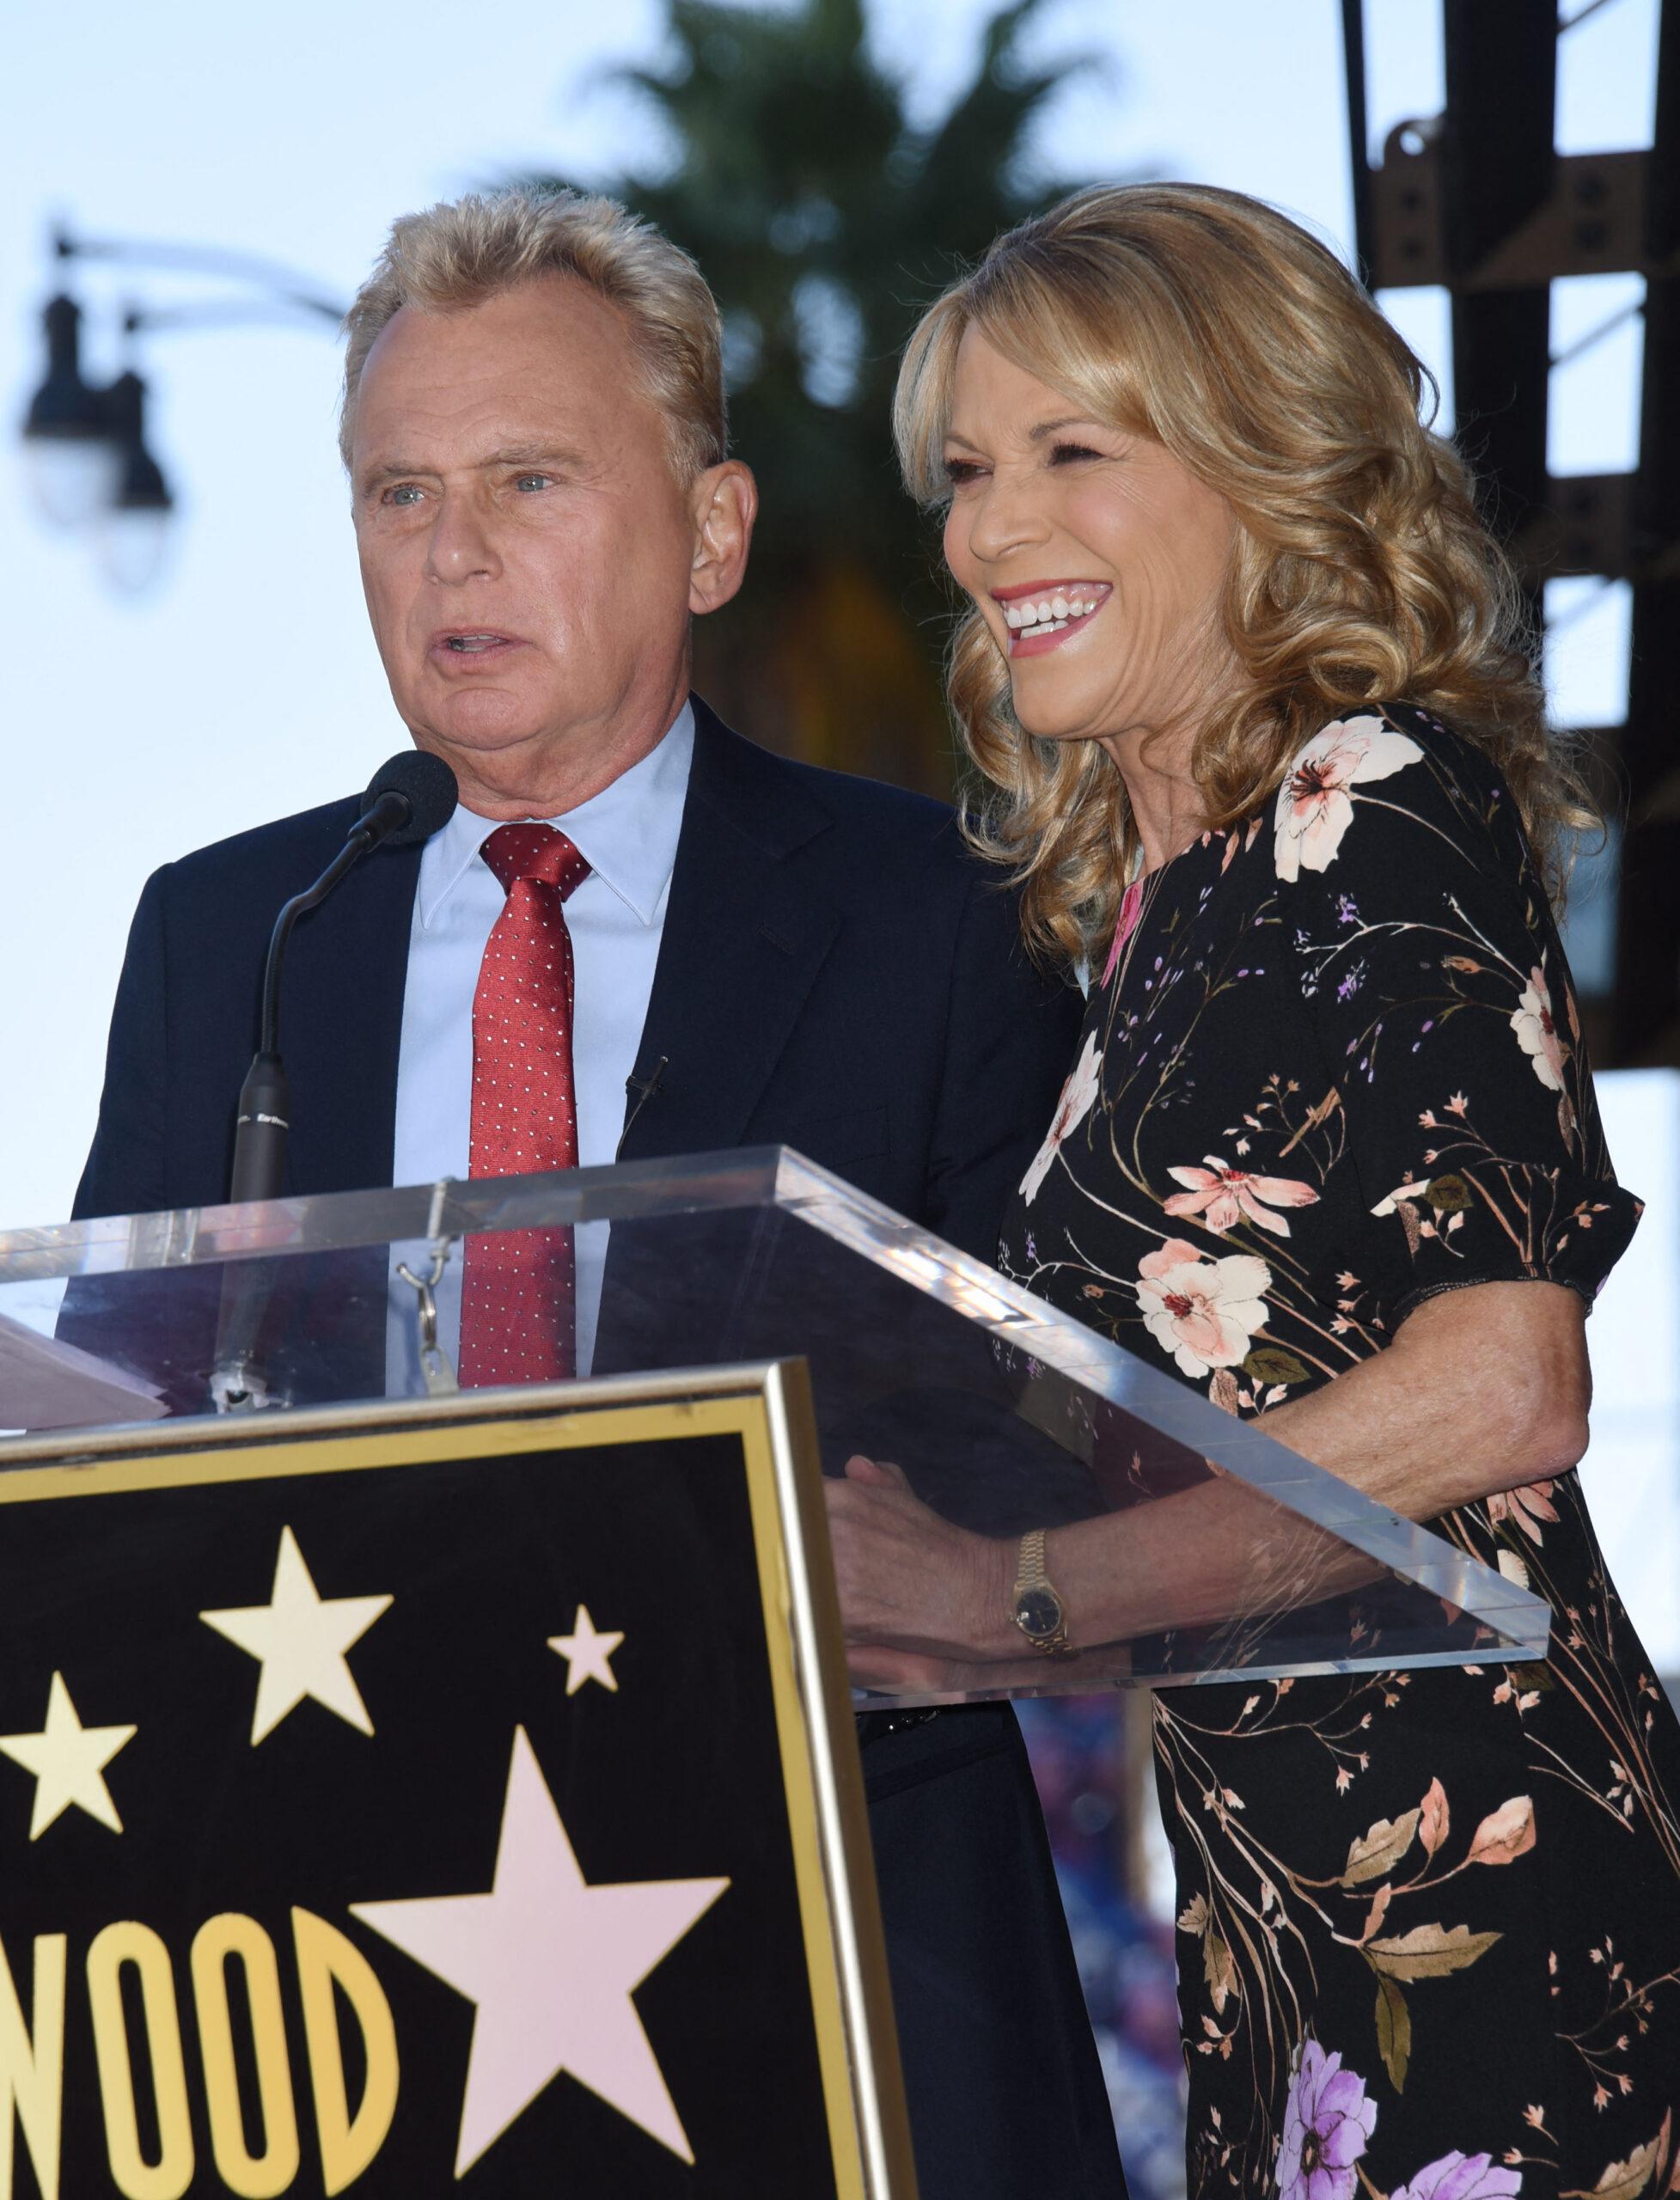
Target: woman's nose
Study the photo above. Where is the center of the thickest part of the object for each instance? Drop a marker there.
(1003, 518)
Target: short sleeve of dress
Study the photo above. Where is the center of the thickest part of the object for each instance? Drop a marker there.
(1428, 958)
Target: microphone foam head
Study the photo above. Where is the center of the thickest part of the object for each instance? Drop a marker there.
(426, 783)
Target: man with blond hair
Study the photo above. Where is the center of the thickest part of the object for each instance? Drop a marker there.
(534, 426)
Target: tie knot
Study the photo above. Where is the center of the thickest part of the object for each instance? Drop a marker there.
(538, 852)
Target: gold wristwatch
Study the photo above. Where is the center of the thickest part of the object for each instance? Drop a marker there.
(1035, 1605)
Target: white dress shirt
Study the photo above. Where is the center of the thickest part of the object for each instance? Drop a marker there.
(627, 835)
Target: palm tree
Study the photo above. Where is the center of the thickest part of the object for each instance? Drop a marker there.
(823, 220)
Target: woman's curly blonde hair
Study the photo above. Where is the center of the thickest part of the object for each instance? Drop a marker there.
(1213, 324)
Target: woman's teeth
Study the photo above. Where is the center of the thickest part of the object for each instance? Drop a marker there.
(473, 641)
(1049, 615)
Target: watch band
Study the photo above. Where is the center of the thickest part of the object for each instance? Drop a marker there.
(1036, 1607)
(1030, 1564)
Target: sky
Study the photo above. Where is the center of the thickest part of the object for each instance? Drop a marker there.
(245, 685)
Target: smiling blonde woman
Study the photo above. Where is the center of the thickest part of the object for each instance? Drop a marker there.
(1242, 677)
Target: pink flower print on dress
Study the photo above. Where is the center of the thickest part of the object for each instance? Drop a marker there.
(1326, 2123)
(1461, 2177)
(1204, 1312)
(1314, 806)
(1537, 1034)
(1131, 906)
(1222, 1195)
(1077, 1095)
(1526, 1506)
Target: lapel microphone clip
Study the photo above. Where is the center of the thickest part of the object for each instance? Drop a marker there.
(642, 1089)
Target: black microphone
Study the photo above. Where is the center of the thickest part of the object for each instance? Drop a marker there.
(643, 1088)
(409, 799)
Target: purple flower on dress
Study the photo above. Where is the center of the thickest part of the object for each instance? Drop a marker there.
(1461, 2177)
(1326, 2123)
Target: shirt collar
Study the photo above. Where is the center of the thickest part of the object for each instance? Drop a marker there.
(627, 834)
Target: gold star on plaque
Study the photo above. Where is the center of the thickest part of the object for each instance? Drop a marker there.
(67, 1760)
(588, 1651)
(300, 1638)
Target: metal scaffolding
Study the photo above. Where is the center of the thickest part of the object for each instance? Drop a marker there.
(1478, 199)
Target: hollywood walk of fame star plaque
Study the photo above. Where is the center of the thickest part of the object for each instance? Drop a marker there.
(401, 1800)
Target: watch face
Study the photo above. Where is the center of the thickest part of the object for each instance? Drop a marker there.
(1038, 1613)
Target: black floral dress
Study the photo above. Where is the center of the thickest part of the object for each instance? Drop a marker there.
(1429, 1929)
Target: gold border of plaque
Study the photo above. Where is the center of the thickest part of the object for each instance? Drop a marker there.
(768, 1406)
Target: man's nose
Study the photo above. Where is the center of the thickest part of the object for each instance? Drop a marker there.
(463, 545)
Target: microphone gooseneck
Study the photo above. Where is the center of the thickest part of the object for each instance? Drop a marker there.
(410, 798)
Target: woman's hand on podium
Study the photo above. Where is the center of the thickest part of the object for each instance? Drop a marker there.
(922, 1601)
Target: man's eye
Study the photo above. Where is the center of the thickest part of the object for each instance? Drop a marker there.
(403, 492)
(527, 482)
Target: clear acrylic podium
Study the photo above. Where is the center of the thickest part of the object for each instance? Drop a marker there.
(404, 1788)
(1006, 1414)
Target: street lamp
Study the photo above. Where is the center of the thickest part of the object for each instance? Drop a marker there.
(70, 452)
(84, 445)
(134, 528)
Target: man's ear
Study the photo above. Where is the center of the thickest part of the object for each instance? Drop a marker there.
(724, 503)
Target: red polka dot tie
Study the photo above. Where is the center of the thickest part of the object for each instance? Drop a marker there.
(518, 1312)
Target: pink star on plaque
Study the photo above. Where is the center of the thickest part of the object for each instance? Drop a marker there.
(553, 1963)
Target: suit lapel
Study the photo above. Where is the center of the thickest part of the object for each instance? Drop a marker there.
(341, 1025)
(744, 940)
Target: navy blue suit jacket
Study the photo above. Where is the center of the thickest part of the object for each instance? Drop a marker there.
(837, 974)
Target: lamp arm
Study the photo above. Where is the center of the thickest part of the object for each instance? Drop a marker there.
(205, 259)
(232, 312)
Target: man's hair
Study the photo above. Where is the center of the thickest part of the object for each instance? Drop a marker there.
(462, 253)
